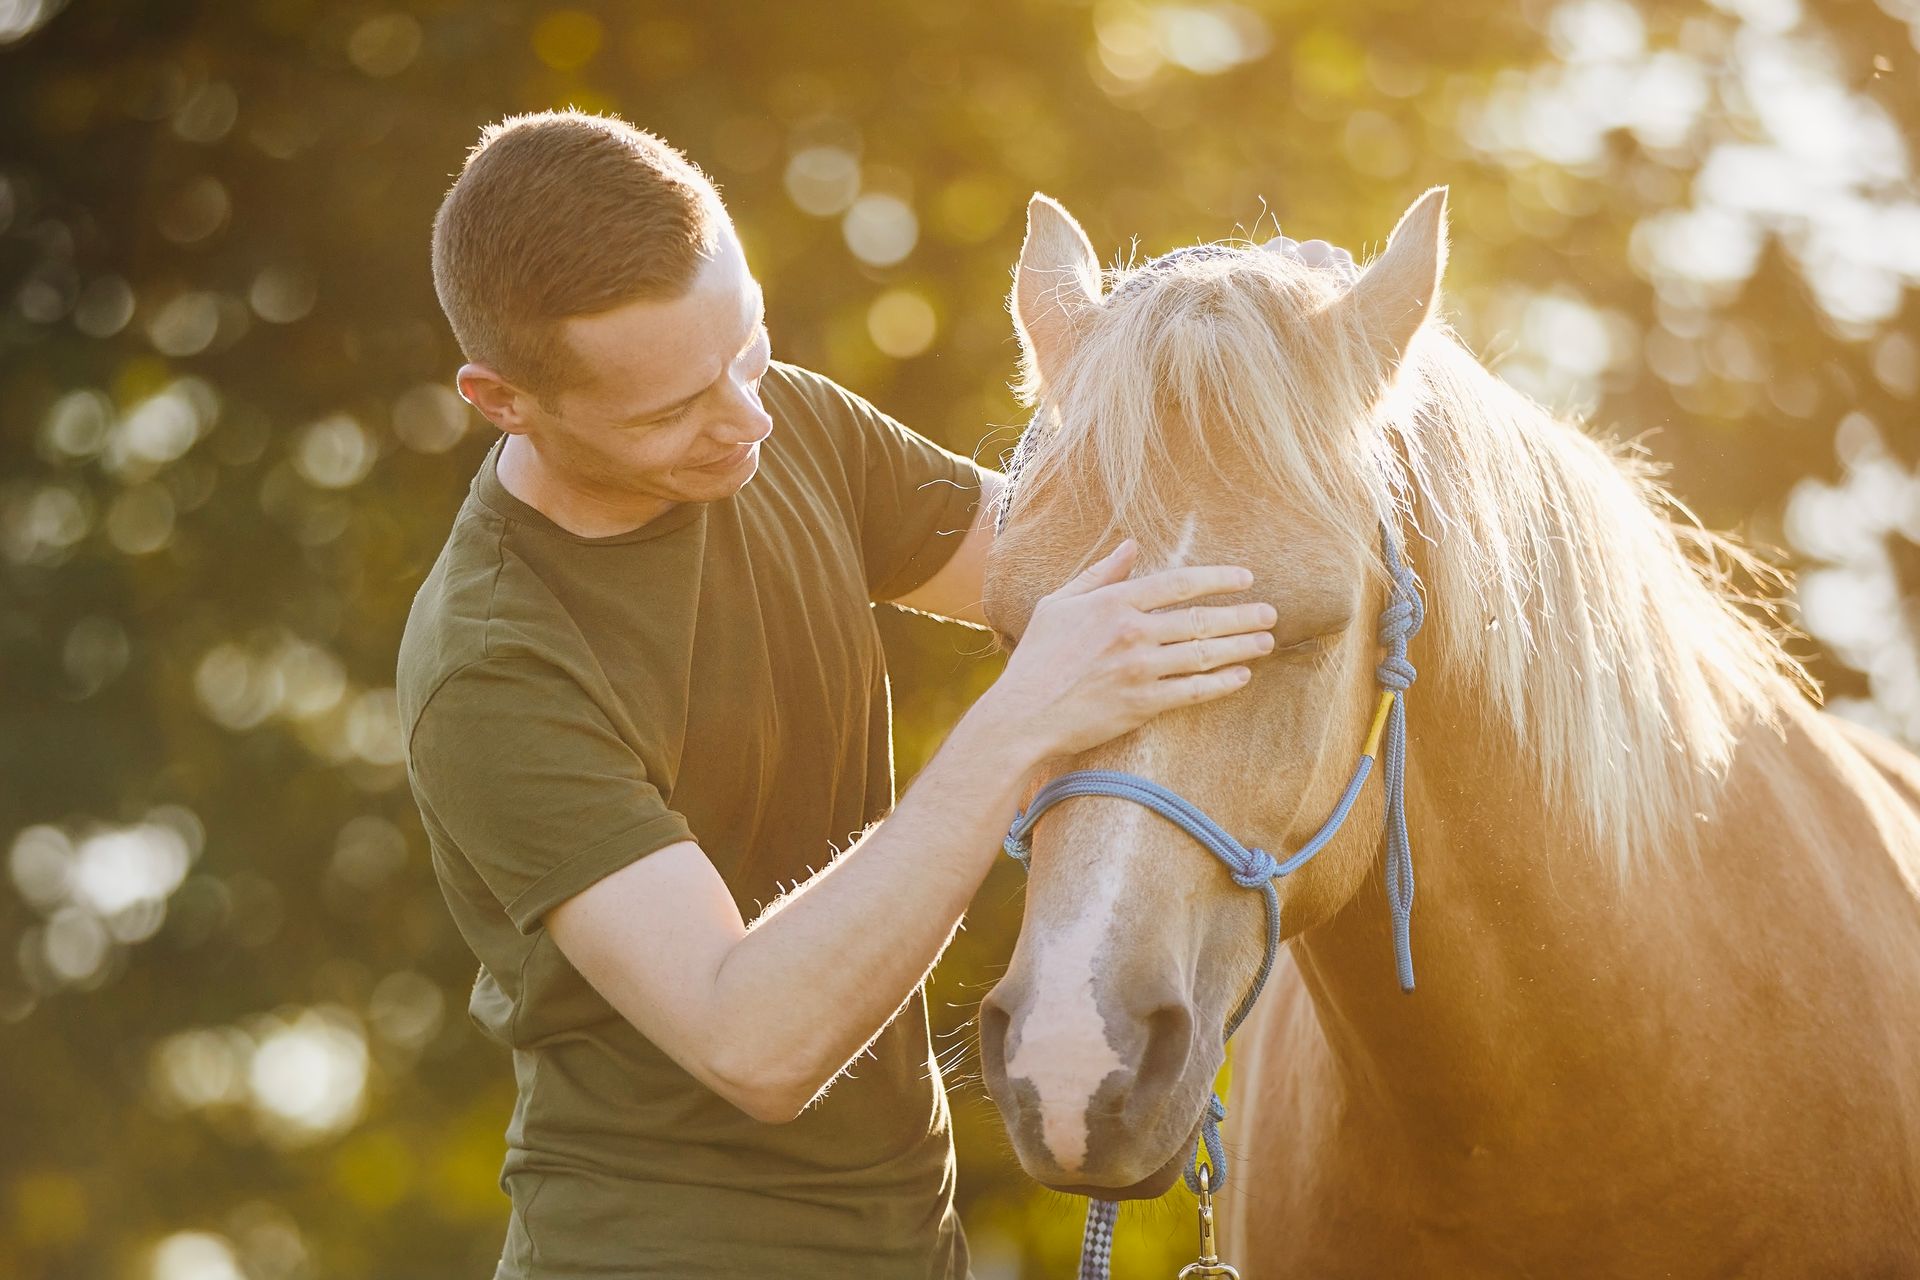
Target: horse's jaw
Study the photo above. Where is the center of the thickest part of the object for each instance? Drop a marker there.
(1151, 1187)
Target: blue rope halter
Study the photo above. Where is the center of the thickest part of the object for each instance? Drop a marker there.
(1258, 869)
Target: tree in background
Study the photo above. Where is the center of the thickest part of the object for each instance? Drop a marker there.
(230, 1000)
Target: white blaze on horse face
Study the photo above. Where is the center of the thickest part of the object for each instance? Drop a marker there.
(1063, 1049)
(1064, 1052)
(1184, 547)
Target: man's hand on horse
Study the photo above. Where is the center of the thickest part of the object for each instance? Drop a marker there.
(1107, 652)
(1318, 254)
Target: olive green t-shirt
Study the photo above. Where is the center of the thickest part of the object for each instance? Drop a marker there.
(574, 704)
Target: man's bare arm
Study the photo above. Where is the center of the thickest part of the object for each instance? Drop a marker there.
(767, 1016)
(955, 591)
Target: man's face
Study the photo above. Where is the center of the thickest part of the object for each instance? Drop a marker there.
(669, 401)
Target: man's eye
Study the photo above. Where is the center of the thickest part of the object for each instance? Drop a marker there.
(670, 418)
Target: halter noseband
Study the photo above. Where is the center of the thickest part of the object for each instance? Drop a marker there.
(1254, 868)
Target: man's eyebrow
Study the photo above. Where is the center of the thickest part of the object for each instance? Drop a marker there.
(753, 336)
(665, 409)
(647, 414)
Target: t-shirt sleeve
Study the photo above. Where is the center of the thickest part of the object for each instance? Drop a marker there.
(914, 500)
(524, 773)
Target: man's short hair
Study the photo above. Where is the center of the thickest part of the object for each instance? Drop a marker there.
(558, 214)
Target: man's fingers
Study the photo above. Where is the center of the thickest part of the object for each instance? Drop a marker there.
(1177, 586)
(1186, 691)
(1109, 569)
(1192, 656)
(1203, 621)
(1328, 257)
(1318, 254)
(1315, 252)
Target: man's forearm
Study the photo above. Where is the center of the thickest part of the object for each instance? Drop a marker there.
(822, 972)
(767, 1015)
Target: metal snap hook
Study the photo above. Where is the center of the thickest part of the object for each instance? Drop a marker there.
(1209, 1264)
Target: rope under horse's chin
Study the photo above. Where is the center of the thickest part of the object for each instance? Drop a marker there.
(1254, 868)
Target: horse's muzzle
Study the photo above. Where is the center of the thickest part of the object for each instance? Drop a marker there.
(1122, 1136)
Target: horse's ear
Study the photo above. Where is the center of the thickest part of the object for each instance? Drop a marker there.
(1397, 292)
(1055, 286)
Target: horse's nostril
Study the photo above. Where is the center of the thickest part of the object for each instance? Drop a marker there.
(1168, 1048)
(994, 1021)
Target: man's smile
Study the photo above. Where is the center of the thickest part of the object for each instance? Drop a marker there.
(733, 460)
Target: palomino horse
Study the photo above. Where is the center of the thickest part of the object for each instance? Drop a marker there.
(1667, 931)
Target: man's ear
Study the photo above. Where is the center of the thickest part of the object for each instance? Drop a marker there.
(1055, 286)
(1398, 290)
(499, 401)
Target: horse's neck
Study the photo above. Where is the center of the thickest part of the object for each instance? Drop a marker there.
(1535, 968)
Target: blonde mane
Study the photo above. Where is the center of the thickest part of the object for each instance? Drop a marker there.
(1578, 602)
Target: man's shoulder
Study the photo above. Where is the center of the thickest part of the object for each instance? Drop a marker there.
(805, 398)
(816, 442)
(796, 381)
(479, 605)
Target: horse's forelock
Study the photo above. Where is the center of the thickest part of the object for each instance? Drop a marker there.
(1219, 354)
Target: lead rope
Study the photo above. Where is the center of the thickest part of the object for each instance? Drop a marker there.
(1258, 869)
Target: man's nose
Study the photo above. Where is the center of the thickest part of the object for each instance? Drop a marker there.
(749, 422)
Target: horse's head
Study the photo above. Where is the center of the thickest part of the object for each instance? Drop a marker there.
(1222, 405)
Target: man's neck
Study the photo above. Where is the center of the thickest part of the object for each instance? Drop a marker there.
(585, 513)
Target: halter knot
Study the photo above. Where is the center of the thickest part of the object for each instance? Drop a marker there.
(1399, 622)
(1016, 845)
(1259, 867)
(1396, 673)
(1402, 618)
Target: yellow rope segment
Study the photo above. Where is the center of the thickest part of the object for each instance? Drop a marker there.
(1379, 723)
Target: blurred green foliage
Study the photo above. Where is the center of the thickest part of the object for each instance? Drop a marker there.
(231, 1005)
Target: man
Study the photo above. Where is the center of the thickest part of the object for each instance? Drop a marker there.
(643, 690)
